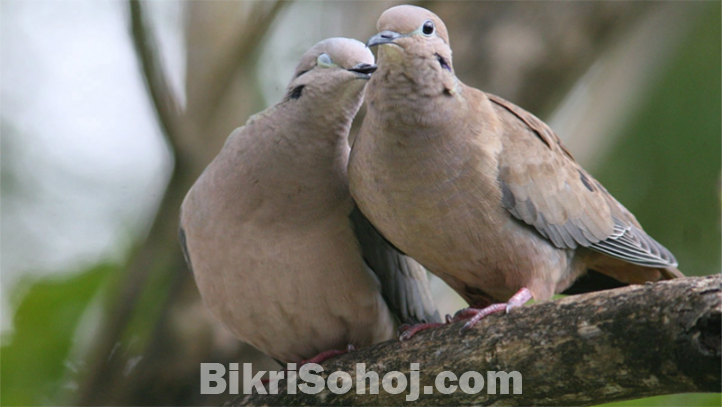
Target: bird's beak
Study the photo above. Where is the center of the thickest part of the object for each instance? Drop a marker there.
(384, 37)
(365, 70)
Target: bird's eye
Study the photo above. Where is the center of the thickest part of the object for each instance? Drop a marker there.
(324, 61)
(428, 27)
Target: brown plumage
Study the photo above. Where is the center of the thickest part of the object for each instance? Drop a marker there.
(279, 252)
(479, 191)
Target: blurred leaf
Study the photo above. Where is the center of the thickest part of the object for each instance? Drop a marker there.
(149, 307)
(33, 357)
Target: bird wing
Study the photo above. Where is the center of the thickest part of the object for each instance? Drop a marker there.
(404, 283)
(545, 187)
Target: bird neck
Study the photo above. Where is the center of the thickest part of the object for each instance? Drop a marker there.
(295, 160)
(413, 98)
(318, 132)
(321, 134)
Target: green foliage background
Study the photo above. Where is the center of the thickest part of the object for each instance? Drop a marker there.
(666, 167)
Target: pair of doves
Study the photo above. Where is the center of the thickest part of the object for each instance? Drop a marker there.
(303, 246)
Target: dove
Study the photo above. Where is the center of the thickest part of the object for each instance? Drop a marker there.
(279, 252)
(479, 191)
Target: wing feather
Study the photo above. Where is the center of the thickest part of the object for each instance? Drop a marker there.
(404, 283)
(543, 186)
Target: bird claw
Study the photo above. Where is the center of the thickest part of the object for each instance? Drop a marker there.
(466, 327)
(407, 331)
(475, 315)
(328, 355)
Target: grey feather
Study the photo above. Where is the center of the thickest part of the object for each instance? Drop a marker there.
(637, 247)
(404, 282)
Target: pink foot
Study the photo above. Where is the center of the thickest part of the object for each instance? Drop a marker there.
(475, 315)
(327, 355)
(407, 331)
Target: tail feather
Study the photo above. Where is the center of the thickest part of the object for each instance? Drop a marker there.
(605, 272)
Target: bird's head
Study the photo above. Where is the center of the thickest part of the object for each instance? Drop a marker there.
(417, 39)
(332, 69)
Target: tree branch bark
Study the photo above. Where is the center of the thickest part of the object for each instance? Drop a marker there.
(246, 42)
(166, 106)
(632, 342)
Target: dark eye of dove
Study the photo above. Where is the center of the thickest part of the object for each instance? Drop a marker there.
(428, 27)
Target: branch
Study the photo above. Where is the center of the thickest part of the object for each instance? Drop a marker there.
(627, 343)
(247, 40)
(166, 107)
(162, 234)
